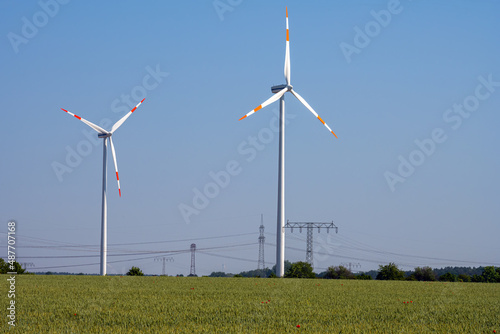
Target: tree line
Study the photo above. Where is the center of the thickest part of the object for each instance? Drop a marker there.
(300, 269)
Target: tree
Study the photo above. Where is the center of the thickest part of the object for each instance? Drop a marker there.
(363, 276)
(256, 273)
(464, 278)
(219, 274)
(6, 267)
(300, 270)
(339, 272)
(288, 264)
(134, 271)
(448, 277)
(476, 278)
(390, 272)
(424, 274)
(490, 275)
(459, 270)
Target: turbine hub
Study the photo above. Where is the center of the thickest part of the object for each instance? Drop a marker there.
(277, 88)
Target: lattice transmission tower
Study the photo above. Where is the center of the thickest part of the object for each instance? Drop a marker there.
(261, 264)
(192, 271)
(310, 227)
(164, 259)
(351, 265)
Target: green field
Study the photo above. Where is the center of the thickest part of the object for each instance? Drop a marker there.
(92, 304)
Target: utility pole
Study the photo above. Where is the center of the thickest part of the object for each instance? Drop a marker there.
(261, 265)
(310, 226)
(164, 259)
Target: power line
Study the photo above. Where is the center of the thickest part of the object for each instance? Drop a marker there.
(141, 258)
(170, 252)
(69, 245)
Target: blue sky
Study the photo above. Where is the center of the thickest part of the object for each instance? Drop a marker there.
(413, 98)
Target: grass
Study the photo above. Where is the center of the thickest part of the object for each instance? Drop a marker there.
(92, 304)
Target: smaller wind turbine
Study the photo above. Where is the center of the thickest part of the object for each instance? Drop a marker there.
(106, 135)
(280, 91)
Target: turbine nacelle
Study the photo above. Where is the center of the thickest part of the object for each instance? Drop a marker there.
(104, 135)
(278, 88)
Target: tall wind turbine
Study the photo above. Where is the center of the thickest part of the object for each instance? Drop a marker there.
(106, 135)
(280, 91)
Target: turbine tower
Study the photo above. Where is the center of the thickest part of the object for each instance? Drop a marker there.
(106, 136)
(280, 91)
(261, 264)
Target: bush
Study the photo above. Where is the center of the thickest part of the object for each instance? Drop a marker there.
(135, 271)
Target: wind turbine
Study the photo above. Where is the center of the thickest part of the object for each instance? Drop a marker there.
(106, 135)
(280, 91)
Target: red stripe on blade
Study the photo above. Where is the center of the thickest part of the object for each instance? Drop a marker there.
(117, 176)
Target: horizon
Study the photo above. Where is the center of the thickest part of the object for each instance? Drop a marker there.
(409, 88)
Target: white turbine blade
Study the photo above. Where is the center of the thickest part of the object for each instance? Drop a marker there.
(92, 125)
(268, 102)
(116, 165)
(287, 52)
(311, 110)
(124, 118)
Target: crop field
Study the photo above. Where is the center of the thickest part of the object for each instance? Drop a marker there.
(92, 304)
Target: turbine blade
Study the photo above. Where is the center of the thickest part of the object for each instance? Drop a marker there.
(116, 165)
(301, 99)
(267, 102)
(124, 118)
(92, 125)
(287, 52)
